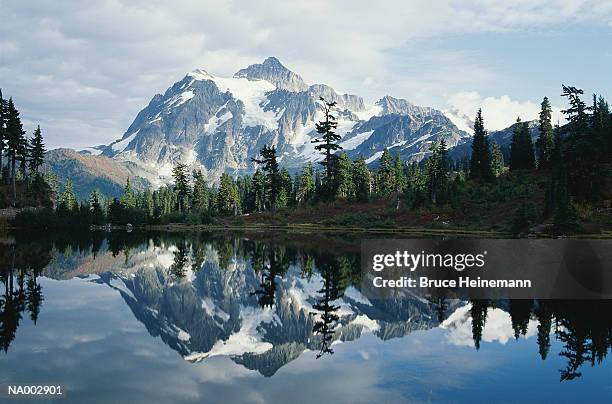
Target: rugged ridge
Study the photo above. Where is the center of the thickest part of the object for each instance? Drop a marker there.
(218, 124)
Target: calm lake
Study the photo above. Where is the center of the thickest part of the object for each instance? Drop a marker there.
(254, 317)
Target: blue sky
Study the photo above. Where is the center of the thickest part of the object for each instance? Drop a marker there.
(84, 70)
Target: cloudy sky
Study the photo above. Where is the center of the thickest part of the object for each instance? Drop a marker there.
(84, 69)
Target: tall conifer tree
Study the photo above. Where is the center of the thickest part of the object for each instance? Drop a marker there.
(480, 162)
(545, 143)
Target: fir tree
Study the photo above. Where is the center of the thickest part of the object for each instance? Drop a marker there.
(386, 175)
(68, 201)
(227, 196)
(400, 178)
(521, 151)
(437, 172)
(285, 183)
(36, 151)
(181, 186)
(327, 144)
(199, 201)
(259, 190)
(306, 188)
(345, 178)
(95, 208)
(3, 122)
(270, 165)
(15, 141)
(497, 160)
(128, 200)
(361, 180)
(545, 143)
(583, 154)
(480, 162)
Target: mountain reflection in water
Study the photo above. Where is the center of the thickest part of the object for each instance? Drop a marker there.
(263, 301)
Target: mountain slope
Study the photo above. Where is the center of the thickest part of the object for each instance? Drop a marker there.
(88, 172)
(218, 124)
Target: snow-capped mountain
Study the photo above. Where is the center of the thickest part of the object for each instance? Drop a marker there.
(218, 124)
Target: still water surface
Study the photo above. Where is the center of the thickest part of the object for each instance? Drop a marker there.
(218, 317)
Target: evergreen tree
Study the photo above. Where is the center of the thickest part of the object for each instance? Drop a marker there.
(149, 203)
(386, 175)
(361, 180)
(583, 154)
(345, 178)
(3, 122)
(497, 160)
(545, 143)
(181, 186)
(437, 172)
(259, 190)
(68, 201)
(228, 201)
(521, 150)
(199, 201)
(270, 165)
(95, 208)
(480, 162)
(400, 178)
(306, 188)
(327, 144)
(36, 151)
(15, 141)
(128, 200)
(285, 185)
(23, 156)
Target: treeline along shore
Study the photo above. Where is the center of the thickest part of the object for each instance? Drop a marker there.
(561, 183)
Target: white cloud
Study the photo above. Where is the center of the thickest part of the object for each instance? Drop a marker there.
(103, 60)
(498, 112)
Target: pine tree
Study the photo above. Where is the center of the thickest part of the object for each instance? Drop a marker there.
(95, 207)
(480, 162)
(15, 141)
(3, 122)
(583, 154)
(386, 175)
(259, 190)
(306, 187)
(23, 155)
(361, 180)
(522, 156)
(270, 165)
(437, 172)
(327, 144)
(400, 178)
(345, 178)
(199, 201)
(68, 201)
(36, 151)
(181, 186)
(497, 160)
(515, 146)
(128, 200)
(545, 143)
(527, 147)
(228, 201)
(285, 186)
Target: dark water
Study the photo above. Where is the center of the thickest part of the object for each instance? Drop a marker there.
(258, 318)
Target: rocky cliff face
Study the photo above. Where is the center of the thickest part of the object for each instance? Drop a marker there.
(218, 124)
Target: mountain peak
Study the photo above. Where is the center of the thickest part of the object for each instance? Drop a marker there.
(276, 73)
(272, 61)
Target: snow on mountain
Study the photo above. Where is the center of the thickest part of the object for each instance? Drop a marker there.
(217, 124)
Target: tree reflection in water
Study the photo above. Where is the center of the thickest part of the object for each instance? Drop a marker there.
(583, 328)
